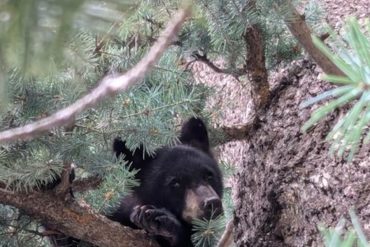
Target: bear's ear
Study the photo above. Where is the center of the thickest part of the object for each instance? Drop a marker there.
(194, 133)
(136, 156)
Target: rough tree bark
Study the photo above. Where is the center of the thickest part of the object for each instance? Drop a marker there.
(256, 62)
(288, 185)
(74, 220)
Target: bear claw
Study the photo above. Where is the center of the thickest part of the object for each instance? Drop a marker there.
(156, 221)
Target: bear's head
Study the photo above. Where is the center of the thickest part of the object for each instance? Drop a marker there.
(184, 179)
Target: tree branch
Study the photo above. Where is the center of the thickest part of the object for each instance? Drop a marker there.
(299, 28)
(287, 77)
(86, 184)
(66, 179)
(256, 62)
(234, 133)
(75, 220)
(204, 59)
(227, 237)
(109, 86)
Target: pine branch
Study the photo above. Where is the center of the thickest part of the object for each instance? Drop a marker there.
(299, 28)
(74, 220)
(108, 87)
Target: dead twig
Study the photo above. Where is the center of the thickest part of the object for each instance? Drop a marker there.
(204, 59)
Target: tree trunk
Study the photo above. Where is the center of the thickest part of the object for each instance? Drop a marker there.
(288, 184)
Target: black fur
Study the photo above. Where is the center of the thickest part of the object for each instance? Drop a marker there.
(158, 204)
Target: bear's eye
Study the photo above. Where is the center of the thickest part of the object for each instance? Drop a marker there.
(208, 176)
(175, 183)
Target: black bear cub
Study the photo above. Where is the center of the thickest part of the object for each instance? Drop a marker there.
(177, 185)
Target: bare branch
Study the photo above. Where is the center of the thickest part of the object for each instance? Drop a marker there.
(86, 184)
(227, 237)
(204, 59)
(66, 179)
(109, 86)
(299, 28)
(74, 219)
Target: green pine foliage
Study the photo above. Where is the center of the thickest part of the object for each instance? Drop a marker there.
(218, 28)
(341, 237)
(207, 232)
(147, 114)
(17, 229)
(33, 33)
(118, 182)
(353, 59)
(53, 52)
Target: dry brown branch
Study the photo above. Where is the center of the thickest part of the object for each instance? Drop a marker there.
(65, 185)
(74, 220)
(86, 184)
(204, 59)
(299, 28)
(227, 237)
(108, 86)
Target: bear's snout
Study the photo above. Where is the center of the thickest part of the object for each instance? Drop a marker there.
(201, 202)
(212, 207)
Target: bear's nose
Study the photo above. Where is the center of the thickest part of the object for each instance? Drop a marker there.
(212, 207)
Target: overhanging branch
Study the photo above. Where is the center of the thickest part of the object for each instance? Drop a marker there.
(108, 86)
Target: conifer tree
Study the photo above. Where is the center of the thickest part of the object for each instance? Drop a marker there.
(55, 52)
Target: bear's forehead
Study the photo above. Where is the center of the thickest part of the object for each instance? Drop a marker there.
(184, 154)
(183, 160)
